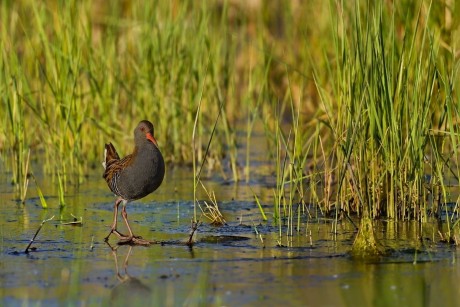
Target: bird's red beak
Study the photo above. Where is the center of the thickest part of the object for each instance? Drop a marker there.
(150, 137)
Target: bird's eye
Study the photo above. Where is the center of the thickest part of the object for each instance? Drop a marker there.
(142, 129)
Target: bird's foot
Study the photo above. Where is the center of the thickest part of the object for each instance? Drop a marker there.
(119, 235)
(135, 240)
(128, 240)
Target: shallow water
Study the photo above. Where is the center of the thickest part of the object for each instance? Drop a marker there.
(228, 265)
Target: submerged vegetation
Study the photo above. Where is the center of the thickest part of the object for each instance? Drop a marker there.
(358, 100)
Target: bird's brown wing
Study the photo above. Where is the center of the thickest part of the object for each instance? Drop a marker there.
(113, 166)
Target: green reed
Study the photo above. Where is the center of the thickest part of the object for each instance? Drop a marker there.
(79, 74)
(390, 102)
(390, 97)
(386, 117)
(358, 104)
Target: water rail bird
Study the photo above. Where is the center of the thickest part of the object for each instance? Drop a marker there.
(134, 176)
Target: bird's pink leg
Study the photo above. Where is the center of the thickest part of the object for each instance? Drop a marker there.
(113, 228)
(131, 238)
(124, 214)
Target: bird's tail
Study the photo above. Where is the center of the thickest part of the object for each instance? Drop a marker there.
(110, 155)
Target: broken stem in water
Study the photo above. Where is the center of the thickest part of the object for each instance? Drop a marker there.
(36, 233)
(192, 232)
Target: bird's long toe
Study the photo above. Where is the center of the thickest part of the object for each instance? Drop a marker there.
(120, 235)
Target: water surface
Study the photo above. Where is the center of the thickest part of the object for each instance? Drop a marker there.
(228, 265)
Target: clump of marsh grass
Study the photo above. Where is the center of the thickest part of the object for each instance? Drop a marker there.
(390, 115)
(211, 210)
(390, 99)
(291, 160)
(386, 118)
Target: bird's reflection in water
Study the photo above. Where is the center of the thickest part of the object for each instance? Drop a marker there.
(129, 290)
